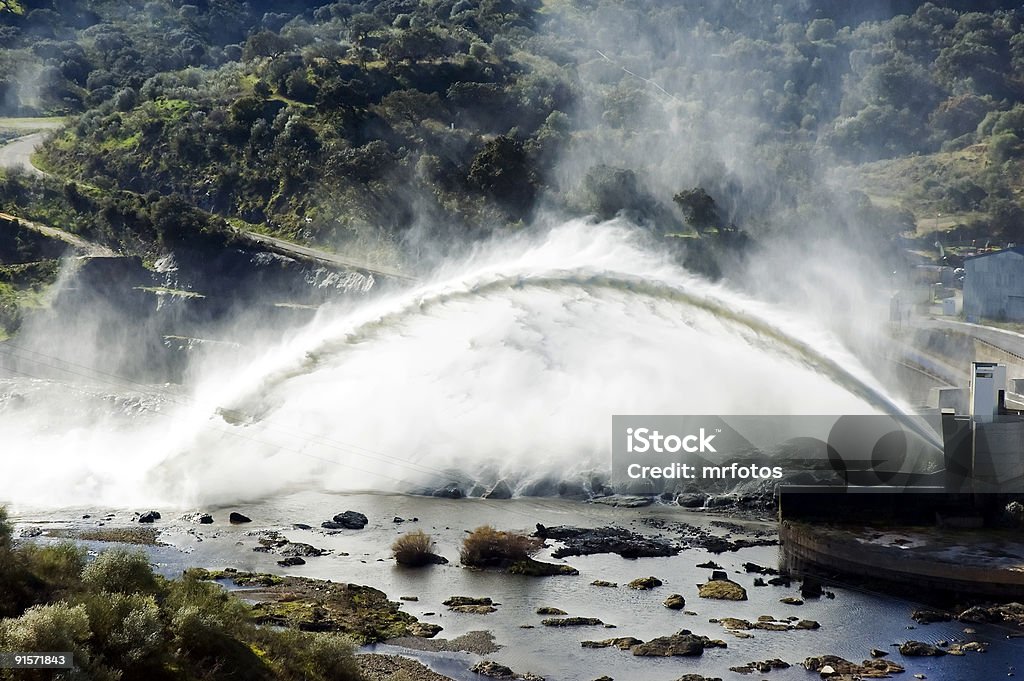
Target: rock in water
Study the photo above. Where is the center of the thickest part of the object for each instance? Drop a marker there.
(450, 491)
(237, 518)
(930, 616)
(501, 490)
(722, 589)
(149, 517)
(572, 622)
(349, 520)
(680, 644)
(424, 629)
(919, 649)
(675, 602)
(811, 588)
(644, 583)
(492, 669)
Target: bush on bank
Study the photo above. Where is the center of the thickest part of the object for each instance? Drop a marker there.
(122, 621)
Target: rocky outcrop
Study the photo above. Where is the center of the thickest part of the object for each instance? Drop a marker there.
(920, 649)
(829, 666)
(1009, 613)
(586, 541)
(536, 568)
(622, 643)
(572, 622)
(767, 623)
(471, 605)
(763, 667)
(551, 611)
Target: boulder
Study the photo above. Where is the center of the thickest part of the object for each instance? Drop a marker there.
(424, 629)
(290, 561)
(349, 520)
(501, 490)
(790, 600)
(149, 517)
(811, 588)
(722, 589)
(644, 583)
(198, 518)
(449, 491)
(237, 518)
(675, 602)
(929, 616)
(601, 582)
(681, 644)
(551, 611)
(493, 670)
(300, 549)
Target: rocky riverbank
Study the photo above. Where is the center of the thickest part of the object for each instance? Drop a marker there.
(687, 595)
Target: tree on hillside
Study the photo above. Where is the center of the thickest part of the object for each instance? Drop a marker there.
(502, 171)
(699, 209)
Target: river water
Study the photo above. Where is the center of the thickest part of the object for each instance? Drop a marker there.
(852, 623)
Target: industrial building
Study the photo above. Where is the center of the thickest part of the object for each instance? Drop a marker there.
(994, 286)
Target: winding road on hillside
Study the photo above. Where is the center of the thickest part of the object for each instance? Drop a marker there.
(18, 154)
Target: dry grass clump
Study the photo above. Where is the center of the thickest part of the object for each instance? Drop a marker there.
(414, 549)
(488, 547)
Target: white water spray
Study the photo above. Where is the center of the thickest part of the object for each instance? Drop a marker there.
(509, 366)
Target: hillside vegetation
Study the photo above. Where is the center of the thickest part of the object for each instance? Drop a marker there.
(397, 123)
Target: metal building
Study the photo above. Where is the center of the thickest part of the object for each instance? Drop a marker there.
(994, 286)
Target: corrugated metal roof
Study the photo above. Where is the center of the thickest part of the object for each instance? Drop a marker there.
(1019, 250)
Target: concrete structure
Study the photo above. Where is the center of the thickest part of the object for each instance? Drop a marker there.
(987, 380)
(994, 285)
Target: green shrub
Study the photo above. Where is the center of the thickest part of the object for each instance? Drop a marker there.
(309, 657)
(127, 630)
(197, 606)
(414, 549)
(488, 547)
(57, 628)
(59, 565)
(120, 571)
